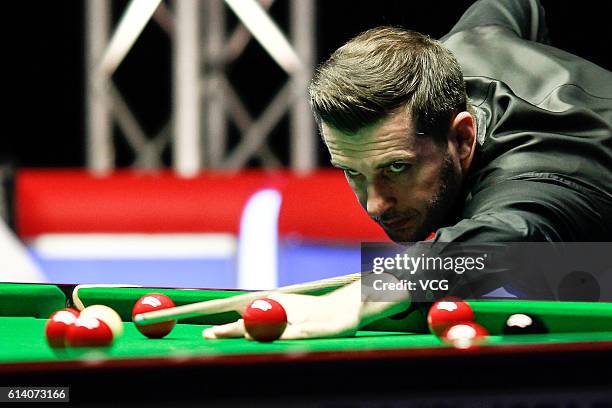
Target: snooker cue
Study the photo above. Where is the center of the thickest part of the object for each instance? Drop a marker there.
(239, 302)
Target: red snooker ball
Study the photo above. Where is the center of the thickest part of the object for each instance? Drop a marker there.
(465, 335)
(89, 332)
(150, 303)
(57, 326)
(265, 319)
(446, 313)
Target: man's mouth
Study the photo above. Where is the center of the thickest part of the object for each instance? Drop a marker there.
(397, 223)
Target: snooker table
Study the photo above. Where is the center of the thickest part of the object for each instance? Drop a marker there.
(393, 362)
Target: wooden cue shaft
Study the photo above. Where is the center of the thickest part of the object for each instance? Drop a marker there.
(238, 302)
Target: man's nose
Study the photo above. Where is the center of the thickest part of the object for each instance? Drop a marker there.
(379, 200)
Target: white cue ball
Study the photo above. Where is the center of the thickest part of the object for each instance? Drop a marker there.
(107, 315)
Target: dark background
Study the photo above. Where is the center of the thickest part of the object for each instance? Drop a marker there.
(43, 63)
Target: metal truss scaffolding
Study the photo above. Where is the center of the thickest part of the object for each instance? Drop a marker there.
(204, 101)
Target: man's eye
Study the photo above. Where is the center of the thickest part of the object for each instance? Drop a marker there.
(351, 173)
(398, 167)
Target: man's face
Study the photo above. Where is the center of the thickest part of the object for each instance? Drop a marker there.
(406, 182)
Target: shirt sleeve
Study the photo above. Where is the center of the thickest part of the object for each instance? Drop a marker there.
(532, 209)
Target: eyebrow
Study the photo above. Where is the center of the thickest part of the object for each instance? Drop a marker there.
(382, 165)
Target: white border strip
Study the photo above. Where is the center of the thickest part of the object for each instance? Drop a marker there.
(134, 246)
(258, 244)
(16, 265)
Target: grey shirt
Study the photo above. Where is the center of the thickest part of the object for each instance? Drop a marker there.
(542, 170)
(543, 165)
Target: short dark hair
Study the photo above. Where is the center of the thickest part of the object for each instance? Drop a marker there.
(382, 70)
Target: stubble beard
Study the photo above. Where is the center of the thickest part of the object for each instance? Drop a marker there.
(438, 207)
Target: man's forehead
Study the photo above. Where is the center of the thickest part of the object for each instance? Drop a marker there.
(394, 133)
(371, 155)
(397, 124)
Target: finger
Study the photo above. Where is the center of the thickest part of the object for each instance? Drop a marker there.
(301, 331)
(224, 331)
(316, 330)
(292, 332)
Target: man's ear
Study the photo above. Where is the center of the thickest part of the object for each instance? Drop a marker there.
(463, 133)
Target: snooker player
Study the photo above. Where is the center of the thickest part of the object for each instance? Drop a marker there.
(488, 135)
